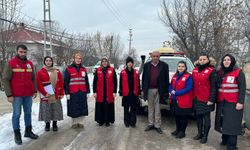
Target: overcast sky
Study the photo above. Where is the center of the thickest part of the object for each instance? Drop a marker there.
(93, 15)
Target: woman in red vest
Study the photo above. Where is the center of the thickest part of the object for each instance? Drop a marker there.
(181, 98)
(76, 85)
(204, 94)
(104, 89)
(129, 89)
(230, 100)
(50, 106)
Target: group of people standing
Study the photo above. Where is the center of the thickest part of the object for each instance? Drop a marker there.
(22, 83)
(202, 90)
(189, 93)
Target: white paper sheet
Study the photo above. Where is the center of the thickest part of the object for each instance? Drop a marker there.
(49, 89)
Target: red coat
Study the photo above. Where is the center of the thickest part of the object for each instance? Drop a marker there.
(22, 80)
(109, 85)
(77, 79)
(229, 87)
(125, 86)
(201, 88)
(42, 78)
(185, 100)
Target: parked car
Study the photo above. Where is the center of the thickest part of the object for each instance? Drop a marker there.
(171, 58)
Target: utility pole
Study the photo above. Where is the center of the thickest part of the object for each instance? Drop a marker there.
(111, 47)
(47, 29)
(130, 40)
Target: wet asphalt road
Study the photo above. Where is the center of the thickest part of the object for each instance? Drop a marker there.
(118, 137)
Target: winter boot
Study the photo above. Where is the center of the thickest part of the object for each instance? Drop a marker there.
(29, 133)
(180, 135)
(47, 126)
(55, 128)
(18, 138)
(204, 138)
(199, 135)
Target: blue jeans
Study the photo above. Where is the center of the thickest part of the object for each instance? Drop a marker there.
(17, 104)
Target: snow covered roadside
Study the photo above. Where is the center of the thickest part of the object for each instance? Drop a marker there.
(6, 131)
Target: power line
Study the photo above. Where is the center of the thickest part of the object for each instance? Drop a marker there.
(116, 10)
(25, 15)
(114, 14)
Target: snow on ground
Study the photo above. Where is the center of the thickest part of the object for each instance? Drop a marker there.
(6, 131)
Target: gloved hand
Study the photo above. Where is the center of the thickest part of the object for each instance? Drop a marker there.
(68, 97)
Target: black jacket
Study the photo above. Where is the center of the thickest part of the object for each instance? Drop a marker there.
(162, 80)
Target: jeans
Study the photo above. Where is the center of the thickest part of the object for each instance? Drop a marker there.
(18, 102)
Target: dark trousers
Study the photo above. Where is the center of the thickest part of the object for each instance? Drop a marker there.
(203, 124)
(230, 140)
(130, 115)
(181, 123)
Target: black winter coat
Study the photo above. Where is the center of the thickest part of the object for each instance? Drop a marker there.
(162, 80)
(228, 119)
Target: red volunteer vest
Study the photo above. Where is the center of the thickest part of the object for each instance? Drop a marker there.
(201, 88)
(21, 82)
(125, 86)
(109, 85)
(229, 88)
(185, 100)
(77, 79)
(43, 79)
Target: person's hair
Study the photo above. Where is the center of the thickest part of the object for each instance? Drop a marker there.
(204, 54)
(77, 54)
(182, 62)
(49, 58)
(22, 47)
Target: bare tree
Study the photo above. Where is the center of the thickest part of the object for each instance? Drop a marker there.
(109, 46)
(202, 25)
(8, 16)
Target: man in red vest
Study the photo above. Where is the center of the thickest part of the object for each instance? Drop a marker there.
(19, 83)
(129, 89)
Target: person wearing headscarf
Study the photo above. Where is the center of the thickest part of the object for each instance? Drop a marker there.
(105, 89)
(204, 95)
(230, 101)
(129, 89)
(50, 104)
(76, 84)
(181, 99)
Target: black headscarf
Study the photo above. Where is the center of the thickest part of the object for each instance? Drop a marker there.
(231, 67)
(223, 70)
